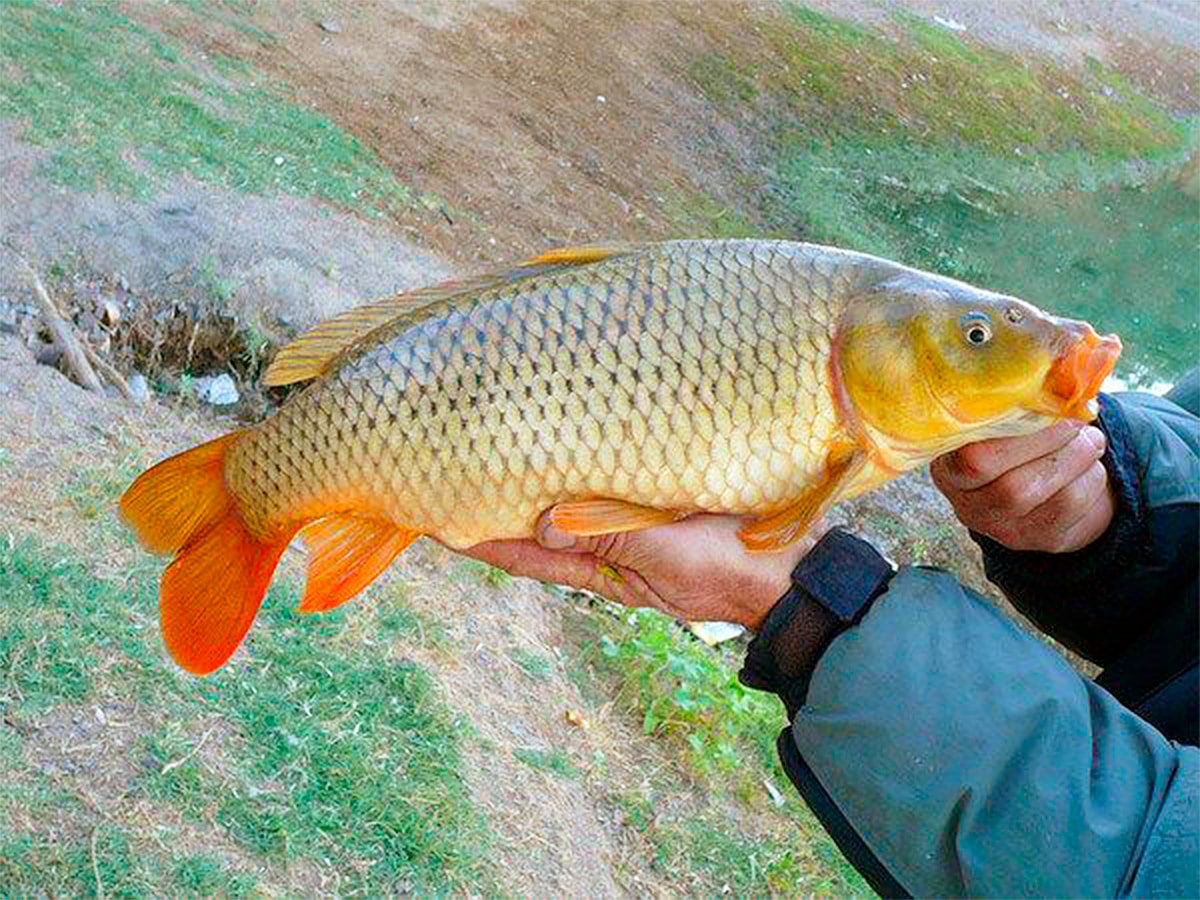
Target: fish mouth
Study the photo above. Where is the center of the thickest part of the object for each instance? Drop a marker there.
(1078, 371)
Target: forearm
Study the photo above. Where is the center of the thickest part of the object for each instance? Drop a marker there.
(971, 759)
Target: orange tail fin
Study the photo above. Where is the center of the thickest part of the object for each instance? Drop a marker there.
(213, 588)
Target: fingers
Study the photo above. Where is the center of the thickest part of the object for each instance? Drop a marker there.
(1019, 491)
(580, 570)
(975, 465)
(1093, 523)
(1069, 520)
(1055, 501)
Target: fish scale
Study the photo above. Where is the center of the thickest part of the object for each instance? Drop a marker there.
(654, 378)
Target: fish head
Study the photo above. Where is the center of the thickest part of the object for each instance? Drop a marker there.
(931, 364)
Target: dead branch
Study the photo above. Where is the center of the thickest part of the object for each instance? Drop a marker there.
(109, 372)
(64, 335)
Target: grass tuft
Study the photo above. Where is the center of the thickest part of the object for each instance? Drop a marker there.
(688, 694)
(556, 762)
(535, 665)
(119, 107)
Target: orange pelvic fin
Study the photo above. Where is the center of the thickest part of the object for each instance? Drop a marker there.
(789, 524)
(213, 588)
(591, 517)
(345, 554)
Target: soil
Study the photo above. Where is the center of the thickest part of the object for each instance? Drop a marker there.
(552, 123)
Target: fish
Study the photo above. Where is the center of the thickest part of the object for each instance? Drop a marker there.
(618, 386)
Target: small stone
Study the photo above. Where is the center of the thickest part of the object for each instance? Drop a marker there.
(333, 26)
(600, 98)
(48, 354)
(219, 390)
(950, 24)
(279, 160)
(123, 283)
(110, 314)
(8, 317)
(139, 387)
(713, 633)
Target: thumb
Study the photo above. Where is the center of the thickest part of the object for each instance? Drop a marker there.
(552, 537)
(625, 548)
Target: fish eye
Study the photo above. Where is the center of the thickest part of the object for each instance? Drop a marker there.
(976, 328)
(1014, 315)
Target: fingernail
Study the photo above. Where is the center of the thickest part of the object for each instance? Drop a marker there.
(553, 538)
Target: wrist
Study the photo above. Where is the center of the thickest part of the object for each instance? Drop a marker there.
(771, 577)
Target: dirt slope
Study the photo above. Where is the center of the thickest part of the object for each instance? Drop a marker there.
(547, 123)
(539, 123)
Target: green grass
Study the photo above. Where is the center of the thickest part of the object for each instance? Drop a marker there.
(556, 762)
(476, 572)
(724, 861)
(687, 694)
(954, 157)
(93, 490)
(119, 107)
(320, 750)
(840, 79)
(535, 665)
(205, 876)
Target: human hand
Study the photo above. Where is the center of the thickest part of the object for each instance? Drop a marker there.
(1045, 491)
(696, 569)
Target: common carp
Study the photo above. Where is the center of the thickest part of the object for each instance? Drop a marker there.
(622, 386)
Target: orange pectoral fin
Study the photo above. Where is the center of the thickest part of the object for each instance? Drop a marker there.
(789, 524)
(345, 554)
(586, 518)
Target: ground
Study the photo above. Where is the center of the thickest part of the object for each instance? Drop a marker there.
(325, 152)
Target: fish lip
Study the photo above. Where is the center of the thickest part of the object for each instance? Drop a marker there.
(1077, 373)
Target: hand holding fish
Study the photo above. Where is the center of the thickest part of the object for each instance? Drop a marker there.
(697, 569)
(1045, 491)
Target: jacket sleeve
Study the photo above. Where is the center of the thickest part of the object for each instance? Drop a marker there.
(1147, 558)
(971, 759)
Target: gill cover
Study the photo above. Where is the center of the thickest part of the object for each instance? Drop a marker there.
(925, 360)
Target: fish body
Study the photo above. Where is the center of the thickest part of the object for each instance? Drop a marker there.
(689, 377)
(623, 387)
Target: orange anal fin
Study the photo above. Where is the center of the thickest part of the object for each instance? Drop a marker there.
(788, 525)
(345, 554)
(586, 518)
(211, 593)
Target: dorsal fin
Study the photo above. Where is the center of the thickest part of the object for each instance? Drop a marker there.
(311, 354)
